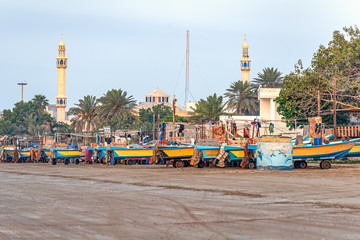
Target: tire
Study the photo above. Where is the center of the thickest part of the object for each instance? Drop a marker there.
(130, 162)
(296, 164)
(302, 164)
(180, 164)
(174, 164)
(53, 161)
(325, 164)
(201, 164)
(186, 163)
(66, 161)
(77, 161)
(251, 165)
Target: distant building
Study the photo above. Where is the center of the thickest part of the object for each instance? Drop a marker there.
(158, 97)
(61, 99)
(52, 110)
(268, 108)
(245, 63)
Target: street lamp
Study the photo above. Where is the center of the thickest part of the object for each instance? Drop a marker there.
(22, 84)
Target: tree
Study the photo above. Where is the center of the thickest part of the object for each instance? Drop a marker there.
(146, 115)
(242, 97)
(269, 78)
(85, 114)
(211, 108)
(27, 118)
(113, 103)
(40, 102)
(333, 67)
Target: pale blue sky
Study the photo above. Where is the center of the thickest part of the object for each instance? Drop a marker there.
(140, 45)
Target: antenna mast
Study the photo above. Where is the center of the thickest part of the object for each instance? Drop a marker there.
(187, 69)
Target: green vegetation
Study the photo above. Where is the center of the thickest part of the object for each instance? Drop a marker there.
(242, 97)
(85, 114)
(210, 109)
(269, 78)
(337, 63)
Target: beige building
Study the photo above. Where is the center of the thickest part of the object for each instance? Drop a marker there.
(158, 97)
(61, 99)
(268, 108)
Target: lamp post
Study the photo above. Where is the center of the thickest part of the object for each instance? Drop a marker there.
(22, 84)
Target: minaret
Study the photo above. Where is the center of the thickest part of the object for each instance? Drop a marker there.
(61, 99)
(245, 62)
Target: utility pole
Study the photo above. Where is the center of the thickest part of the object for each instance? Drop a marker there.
(187, 69)
(153, 126)
(334, 117)
(174, 109)
(22, 84)
(318, 100)
(158, 128)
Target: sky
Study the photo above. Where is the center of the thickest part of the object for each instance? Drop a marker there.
(139, 45)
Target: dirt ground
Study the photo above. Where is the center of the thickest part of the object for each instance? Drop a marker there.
(40, 201)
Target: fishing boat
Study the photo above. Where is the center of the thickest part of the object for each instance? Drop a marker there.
(179, 156)
(131, 155)
(65, 155)
(324, 153)
(354, 151)
(7, 154)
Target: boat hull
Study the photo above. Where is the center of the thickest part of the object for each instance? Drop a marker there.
(328, 151)
(177, 152)
(124, 153)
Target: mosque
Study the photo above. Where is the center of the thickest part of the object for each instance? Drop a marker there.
(58, 110)
(158, 97)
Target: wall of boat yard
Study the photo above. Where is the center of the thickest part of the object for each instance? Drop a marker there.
(274, 153)
(189, 132)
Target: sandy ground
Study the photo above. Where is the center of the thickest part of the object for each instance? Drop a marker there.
(40, 201)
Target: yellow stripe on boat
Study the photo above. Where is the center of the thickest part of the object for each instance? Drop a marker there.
(238, 153)
(174, 152)
(355, 149)
(211, 152)
(68, 153)
(134, 153)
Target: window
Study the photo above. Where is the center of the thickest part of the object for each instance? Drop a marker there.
(61, 101)
(153, 99)
(61, 62)
(167, 99)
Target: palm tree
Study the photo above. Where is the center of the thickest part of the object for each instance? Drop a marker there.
(41, 102)
(269, 78)
(115, 102)
(85, 114)
(242, 97)
(211, 108)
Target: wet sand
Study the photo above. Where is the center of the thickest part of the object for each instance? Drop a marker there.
(40, 201)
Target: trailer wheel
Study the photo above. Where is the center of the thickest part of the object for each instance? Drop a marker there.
(66, 161)
(186, 163)
(251, 165)
(174, 164)
(77, 161)
(325, 164)
(201, 164)
(130, 162)
(296, 164)
(53, 161)
(302, 164)
(180, 164)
